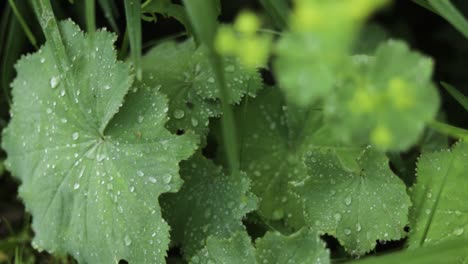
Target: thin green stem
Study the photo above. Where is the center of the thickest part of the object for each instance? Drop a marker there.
(203, 17)
(449, 130)
(90, 6)
(133, 16)
(23, 24)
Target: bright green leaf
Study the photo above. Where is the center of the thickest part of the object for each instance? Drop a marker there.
(357, 207)
(301, 247)
(270, 151)
(235, 249)
(388, 101)
(314, 55)
(91, 176)
(440, 211)
(184, 74)
(209, 204)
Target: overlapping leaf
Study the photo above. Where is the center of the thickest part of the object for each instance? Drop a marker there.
(357, 200)
(234, 249)
(388, 101)
(301, 247)
(183, 72)
(209, 204)
(269, 151)
(295, 164)
(313, 55)
(440, 211)
(91, 176)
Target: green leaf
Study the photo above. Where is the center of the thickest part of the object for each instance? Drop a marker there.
(235, 249)
(98, 173)
(167, 8)
(278, 12)
(133, 17)
(450, 251)
(301, 247)
(270, 152)
(450, 13)
(357, 207)
(440, 211)
(110, 12)
(314, 55)
(388, 101)
(459, 97)
(184, 74)
(210, 203)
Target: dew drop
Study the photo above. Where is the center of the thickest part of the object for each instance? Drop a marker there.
(132, 189)
(140, 119)
(76, 186)
(107, 87)
(230, 68)
(167, 178)
(347, 231)
(337, 216)
(54, 81)
(179, 114)
(75, 135)
(358, 227)
(458, 231)
(194, 122)
(152, 179)
(128, 241)
(211, 80)
(347, 200)
(140, 173)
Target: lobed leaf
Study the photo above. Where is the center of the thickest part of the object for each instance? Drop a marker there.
(388, 101)
(183, 72)
(301, 247)
(358, 200)
(440, 211)
(95, 166)
(210, 204)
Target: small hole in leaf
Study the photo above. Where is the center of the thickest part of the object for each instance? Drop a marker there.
(267, 77)
(189, 105)
(180, 132)
(123, 261)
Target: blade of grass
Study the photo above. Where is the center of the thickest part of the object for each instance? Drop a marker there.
(133, 16)
(425, 4)
(90, 6)
(452, 251)
(461, 98)
(25, 26)
(110, 12)
(450, 13)
(46, 17)
(278, 11)
(203, 17)
(449, 130)
(14, 41)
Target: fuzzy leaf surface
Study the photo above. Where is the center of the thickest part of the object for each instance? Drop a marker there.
(301, 247)
(440, 211)
(209, 203)
(358, 202)
(91, 176)
(182, 71)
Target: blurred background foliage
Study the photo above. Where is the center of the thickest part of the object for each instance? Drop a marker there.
(404, 19)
